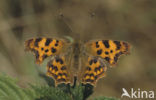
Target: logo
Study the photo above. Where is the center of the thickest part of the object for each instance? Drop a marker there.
(137, 93)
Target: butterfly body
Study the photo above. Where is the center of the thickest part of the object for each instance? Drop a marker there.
(86, 61)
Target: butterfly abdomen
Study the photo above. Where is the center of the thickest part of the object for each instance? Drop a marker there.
(76, 56)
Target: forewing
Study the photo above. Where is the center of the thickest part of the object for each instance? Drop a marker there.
(108, 49)
(44, 47)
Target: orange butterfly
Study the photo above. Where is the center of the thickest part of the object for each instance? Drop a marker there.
(86, 61)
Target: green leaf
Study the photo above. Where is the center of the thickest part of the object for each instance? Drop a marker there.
(10, 91)
(50, 93)
(77, 92)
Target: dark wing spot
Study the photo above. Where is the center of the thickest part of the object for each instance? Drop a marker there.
(54, 75)
(95, 60)
(100, 67)
(120, 53)
(86, 75)
(59, 60)
(28, 42)
(105, 42)
(65, 74)
(46, 50)
(96, 69)
(51, 65)
(36, 53)
(57, 41)
(111, 51)
(48, 41)
(44, 56)
(118, 45)
(36, 41)
(99, 52)
(90, 62)
(60, 74)
(91, 74)
(126, 45)
(88, 68)
(55, 68)
(106, 53)
(63, 68)
(56, 44)
(116, 56)
(42, 48)
(61, 80)
(95, 77)
(97, 45)
(53, 50)
(107, 59)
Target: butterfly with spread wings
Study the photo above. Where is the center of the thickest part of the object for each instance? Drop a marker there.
(86, 61)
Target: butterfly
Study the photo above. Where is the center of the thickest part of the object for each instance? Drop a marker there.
(86, 61)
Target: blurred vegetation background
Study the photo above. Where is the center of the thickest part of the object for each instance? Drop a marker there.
(133, 21)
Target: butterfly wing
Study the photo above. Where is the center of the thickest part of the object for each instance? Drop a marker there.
(108, 49)
(93, 55)
(44, 47)
(93, 69)
(58, 68)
